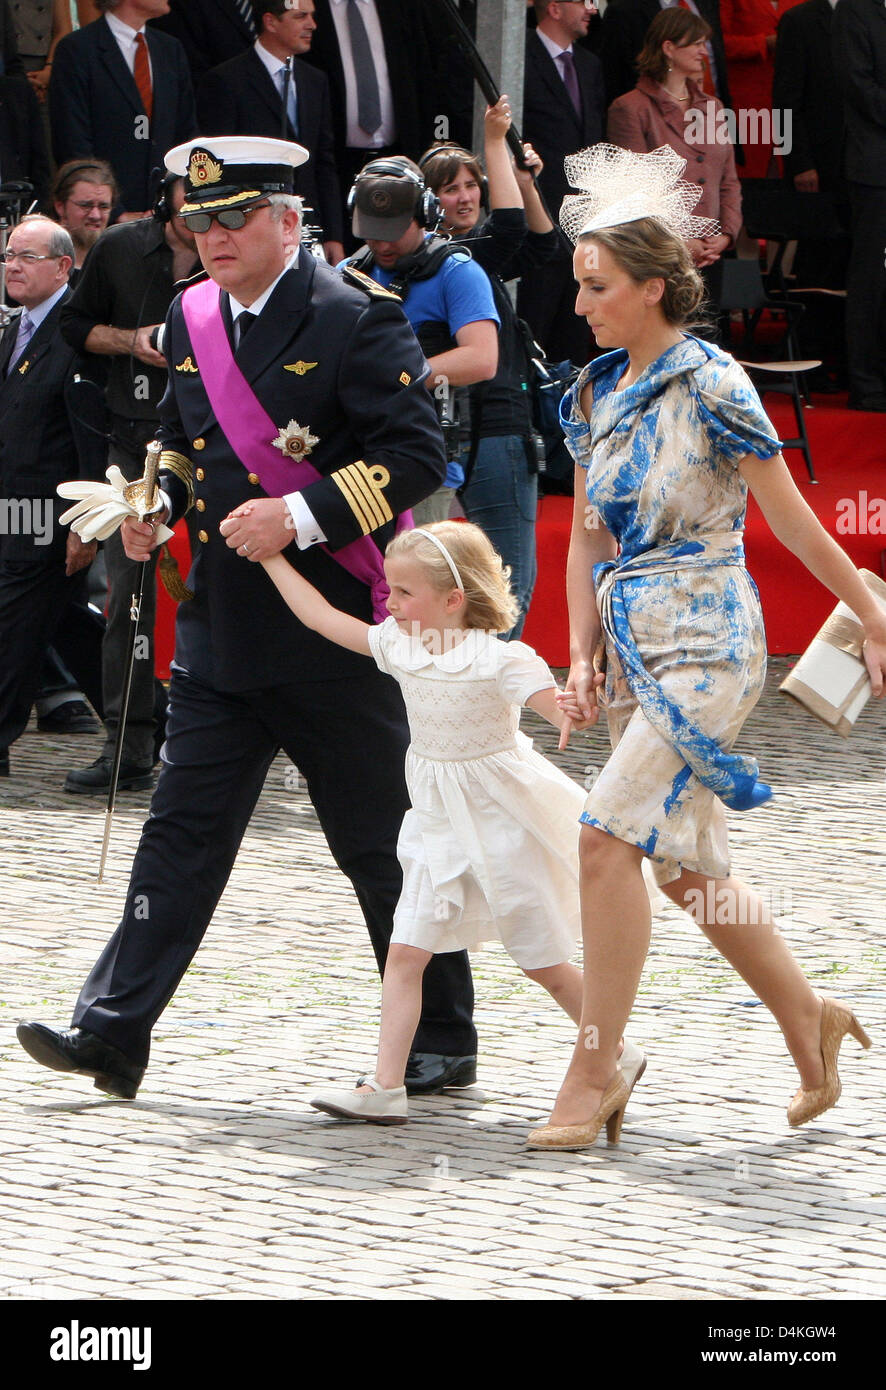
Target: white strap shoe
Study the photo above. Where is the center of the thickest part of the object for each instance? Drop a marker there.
(377, 1107)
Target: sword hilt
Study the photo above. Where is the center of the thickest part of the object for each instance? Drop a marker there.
(143, 492)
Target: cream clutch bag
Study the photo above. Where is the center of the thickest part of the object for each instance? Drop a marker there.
(830, 679)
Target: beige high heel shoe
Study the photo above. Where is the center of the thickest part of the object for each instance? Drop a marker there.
(836, 1021)
(610, 1113)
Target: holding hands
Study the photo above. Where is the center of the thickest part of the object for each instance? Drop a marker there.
(259, 529)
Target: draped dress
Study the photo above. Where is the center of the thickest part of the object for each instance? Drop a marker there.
(681, 617)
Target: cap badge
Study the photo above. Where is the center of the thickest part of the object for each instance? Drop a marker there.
(203, 169)
(295, 440)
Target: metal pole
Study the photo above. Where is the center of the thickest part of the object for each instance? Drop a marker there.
(501, 38)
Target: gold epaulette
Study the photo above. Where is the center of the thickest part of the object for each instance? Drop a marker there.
(363, 490)
(180, 467)
(364, 282)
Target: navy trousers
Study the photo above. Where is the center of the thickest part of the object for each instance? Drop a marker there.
(348, 740)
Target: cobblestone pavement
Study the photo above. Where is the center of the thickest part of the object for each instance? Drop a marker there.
(221, 1182)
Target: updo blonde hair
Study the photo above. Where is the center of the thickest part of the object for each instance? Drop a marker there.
(647, 250)
(489, 602)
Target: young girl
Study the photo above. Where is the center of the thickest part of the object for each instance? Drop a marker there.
(489, 847)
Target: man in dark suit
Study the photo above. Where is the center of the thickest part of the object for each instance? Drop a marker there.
(121, 94)
(23, 153)
(245, 97)
(274, 341)
(210, 31)
(563, 111)
(388, 107)
(860, 56)
(623, 33)
(41, 444)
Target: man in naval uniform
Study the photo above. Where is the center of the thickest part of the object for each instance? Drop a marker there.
(300, 390)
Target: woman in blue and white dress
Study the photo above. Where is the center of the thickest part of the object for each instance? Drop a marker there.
(668, 435)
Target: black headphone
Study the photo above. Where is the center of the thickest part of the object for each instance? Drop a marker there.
(450, 147)
(162, 210)
(427, 211)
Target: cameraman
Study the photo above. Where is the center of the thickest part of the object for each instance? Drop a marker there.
(446, 297)
(501, 218)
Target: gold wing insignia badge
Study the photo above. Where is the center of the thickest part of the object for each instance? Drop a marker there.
(299, 367)
(187, 365)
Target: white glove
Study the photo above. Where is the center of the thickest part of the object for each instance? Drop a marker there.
(101, 508)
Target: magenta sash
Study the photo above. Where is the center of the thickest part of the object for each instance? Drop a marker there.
(250, 431)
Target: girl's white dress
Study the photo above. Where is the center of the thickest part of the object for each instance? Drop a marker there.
(489, 849)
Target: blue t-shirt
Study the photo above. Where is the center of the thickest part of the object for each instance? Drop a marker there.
(459, 293)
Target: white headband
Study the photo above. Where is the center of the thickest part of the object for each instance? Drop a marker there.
(420, 531)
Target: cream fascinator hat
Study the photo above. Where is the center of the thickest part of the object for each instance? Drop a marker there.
(620, 186)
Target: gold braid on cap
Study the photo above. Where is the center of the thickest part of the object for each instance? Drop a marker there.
(620, 186)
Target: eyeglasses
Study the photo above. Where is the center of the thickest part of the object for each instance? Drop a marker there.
(230, 218)
(29, 257)
(88, 207)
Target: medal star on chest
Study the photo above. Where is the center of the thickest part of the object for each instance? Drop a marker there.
(295, 440)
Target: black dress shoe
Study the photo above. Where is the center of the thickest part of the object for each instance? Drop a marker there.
(73, 1049)
(4, 762)
(96, 779)
(72, 717)
(427, 1073)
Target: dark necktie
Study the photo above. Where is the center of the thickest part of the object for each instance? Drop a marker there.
(567, 70)
(368, 98)
(244, 323)
(142, 75)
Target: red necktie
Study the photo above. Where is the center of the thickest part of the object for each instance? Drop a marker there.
(707, 82)
(142, 75)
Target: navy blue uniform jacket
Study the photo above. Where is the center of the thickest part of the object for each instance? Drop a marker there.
(344, 363)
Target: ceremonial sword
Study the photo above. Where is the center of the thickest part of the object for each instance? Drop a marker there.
(143, 495)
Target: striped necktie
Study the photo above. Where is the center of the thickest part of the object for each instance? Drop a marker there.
(142, 75)
(22, 338)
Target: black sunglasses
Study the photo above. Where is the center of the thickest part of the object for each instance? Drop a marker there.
(231, 218)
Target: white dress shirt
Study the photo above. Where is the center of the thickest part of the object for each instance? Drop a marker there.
(275, 67)
(554, 48)
(387, 131)
(126, 41)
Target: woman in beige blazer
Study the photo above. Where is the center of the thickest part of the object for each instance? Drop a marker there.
(669, 106)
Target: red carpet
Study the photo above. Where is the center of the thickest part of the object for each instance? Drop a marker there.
(849, 456)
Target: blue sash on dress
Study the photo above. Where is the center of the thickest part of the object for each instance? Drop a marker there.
(733, 778)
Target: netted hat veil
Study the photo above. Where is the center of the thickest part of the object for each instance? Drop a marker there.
(620, 186)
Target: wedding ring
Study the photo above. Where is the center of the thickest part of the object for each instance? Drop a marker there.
(245, 548)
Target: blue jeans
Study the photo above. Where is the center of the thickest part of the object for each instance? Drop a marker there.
(501, 498)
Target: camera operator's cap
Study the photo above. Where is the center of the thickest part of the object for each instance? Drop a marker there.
(384, 200)
(231, 171)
